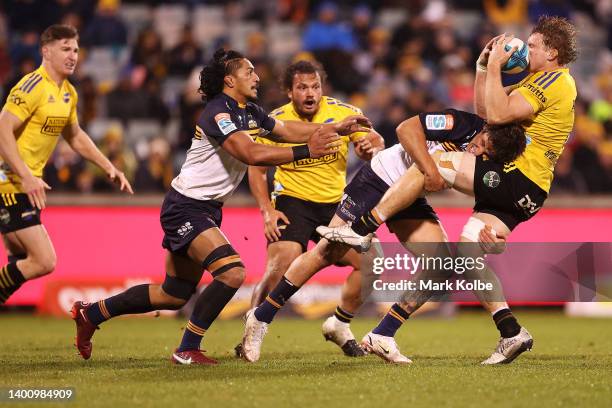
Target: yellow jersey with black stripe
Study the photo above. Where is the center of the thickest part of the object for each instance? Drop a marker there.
(319, 180)
(45, 109)
(552, 95)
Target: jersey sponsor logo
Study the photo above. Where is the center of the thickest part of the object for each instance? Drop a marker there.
(536, 91)
(54, 125)
(527, 205)
(491, 179)
(16, 100)
(552, 156)
(328, 158)
(439, 122)
(224, 121)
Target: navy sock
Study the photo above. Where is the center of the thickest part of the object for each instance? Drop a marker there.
(210, 303)
(11, 279)
(368, 223)
(392, 321)
(506, 323)
(275, 300)
(343, 315)
(134, 300)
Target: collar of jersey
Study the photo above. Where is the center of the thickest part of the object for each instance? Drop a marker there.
(47, 78)
(233, 103)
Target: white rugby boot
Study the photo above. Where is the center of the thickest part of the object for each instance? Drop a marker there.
(254, 332)
(510, 348)
(384, 347)
(340, 333)
(344, 234)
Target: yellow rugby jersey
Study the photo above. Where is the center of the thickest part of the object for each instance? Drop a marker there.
(319, 180)
(552, 95)
(45, 110)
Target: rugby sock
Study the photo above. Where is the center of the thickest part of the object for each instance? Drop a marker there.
(343, 315)
(506, 323)
(11, 279)
(210, 303)
(392, 321)
(134, 300)
(368, 223)
(275, 300)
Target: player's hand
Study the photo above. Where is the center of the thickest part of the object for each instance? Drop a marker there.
(499, 56)
(364, 148)
(490, 242)
(119, 178)
(434, 181)
(271, 227)
(352, 124)
(325, 140)
(483, 58)
(35, 188)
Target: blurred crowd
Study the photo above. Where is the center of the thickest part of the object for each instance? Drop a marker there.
(139, 64)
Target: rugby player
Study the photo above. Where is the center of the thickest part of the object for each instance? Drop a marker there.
(306, 194)
(450, 130)
(40, 108)
(505, 195)
(222, 148)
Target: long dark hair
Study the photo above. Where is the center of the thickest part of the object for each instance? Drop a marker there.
(211, 77)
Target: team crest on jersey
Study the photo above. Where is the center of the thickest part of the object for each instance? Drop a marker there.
(224, 121)
(491, 179)
(66, 97)
(439, 122)
(252, 124)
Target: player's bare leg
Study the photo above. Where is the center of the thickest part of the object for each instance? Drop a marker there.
(31, 255)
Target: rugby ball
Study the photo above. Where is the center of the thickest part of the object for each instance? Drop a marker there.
(519, 59)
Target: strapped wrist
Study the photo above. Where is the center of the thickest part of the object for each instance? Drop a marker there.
(300, 152)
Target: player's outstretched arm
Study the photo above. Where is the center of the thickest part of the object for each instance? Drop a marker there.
(83, 145)
(258, 182)
(33, 186)
(241, 146)
(412, 137)
(501, 107)
(293, 131)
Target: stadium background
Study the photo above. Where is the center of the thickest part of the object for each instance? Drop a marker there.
(137, 78)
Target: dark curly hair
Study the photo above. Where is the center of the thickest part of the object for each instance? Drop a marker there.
(211, 77)
(301, 67)
(559, 34)
(507, 142)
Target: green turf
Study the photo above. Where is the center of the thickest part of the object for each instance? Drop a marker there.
(571, 365)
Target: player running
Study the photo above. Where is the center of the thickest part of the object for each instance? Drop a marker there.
(40, 108)
(306, 194)
(450, 130)
(222, 148)
(505, 195)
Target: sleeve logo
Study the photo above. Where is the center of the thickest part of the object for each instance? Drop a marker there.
(439, 122)
(225, 123)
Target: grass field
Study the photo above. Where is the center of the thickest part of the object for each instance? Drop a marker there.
(571, 365)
